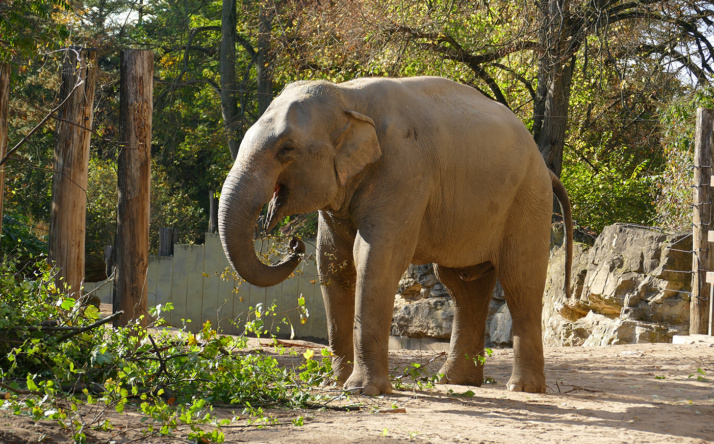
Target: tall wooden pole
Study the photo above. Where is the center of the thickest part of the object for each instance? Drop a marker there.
(69, 184)
(134, 178)
(4, 109)
(703, 257)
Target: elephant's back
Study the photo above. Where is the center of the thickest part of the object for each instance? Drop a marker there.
(478, 160)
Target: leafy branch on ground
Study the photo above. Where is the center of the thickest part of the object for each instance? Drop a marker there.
(60, 361)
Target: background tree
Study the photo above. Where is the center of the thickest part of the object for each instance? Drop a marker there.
(597, 83)
(589, 76)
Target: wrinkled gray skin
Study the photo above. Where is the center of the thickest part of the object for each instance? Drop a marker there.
(402, 171)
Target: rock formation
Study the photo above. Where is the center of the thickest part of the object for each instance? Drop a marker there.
(631, 286)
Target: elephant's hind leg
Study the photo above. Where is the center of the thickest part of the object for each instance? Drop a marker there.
(471, 301)
(522, 274)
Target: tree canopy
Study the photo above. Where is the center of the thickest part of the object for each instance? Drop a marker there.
(606, 87)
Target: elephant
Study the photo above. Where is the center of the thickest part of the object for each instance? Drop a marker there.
(401, 170)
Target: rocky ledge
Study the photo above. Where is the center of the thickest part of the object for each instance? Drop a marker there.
(631, 286)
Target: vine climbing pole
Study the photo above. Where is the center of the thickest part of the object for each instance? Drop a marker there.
(700, 315)
(71, 164)
(134, 177)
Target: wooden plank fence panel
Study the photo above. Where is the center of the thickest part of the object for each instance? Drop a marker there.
(225, 297)
(288, 304)
(318, 318)
(164, 279)
(194, 286)
(211, 279)
(179, 284)
(180, 280)
(152, 278)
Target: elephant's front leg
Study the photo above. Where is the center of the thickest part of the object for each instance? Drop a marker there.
(337, 280)
(379, 265)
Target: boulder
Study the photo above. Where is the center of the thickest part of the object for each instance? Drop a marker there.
(500, 328)
(431, 318)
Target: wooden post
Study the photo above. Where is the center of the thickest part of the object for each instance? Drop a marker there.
(71, 162)
(4, 110)
(212, 212)
(703, 257)
(134, 178)
(167, 239)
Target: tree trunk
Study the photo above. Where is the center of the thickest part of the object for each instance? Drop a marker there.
(263, 60)
(550, 137)
(229, 90)
(4, 109)
(71, 162)
(134, 179)
(555, 73)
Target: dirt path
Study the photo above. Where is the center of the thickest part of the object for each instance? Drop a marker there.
(618, 394)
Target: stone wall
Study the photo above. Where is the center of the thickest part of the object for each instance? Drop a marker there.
(630, 285)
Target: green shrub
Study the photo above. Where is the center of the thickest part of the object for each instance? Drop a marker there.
(20, 237)
(619, 190)
(57, 359)
(673, 193)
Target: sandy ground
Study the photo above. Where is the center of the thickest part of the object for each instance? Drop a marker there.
(619, 394)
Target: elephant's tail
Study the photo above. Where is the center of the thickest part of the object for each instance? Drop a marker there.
(562, 195)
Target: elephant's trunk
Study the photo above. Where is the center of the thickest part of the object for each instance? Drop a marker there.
(238, 211)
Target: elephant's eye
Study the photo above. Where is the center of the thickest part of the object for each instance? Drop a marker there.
(286, 152)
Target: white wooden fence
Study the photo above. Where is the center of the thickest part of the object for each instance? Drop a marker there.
(191, 281)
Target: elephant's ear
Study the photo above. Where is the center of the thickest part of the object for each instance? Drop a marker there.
(357, 146)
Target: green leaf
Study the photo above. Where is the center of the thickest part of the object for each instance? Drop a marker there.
(91, 312)
(31, 383)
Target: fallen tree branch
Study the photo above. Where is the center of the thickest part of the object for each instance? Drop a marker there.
(91, 326)
(17, 391)
(72, 330)
(162, 364)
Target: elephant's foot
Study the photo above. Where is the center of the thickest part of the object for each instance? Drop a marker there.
(463, 372)
(361, 382)
(526, 383)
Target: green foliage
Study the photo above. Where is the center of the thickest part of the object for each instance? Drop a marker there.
(674, 185)
(57, 362)
(20, 237)
(301, 225)
(171, 206)
(416, 377)
(619, 190)
(481, 359)
(701, 375)
(27, 25)
(102, 196)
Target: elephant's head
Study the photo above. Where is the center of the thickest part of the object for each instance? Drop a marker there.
(299, 156)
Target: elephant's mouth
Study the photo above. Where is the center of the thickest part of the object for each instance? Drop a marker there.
(279, 195)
